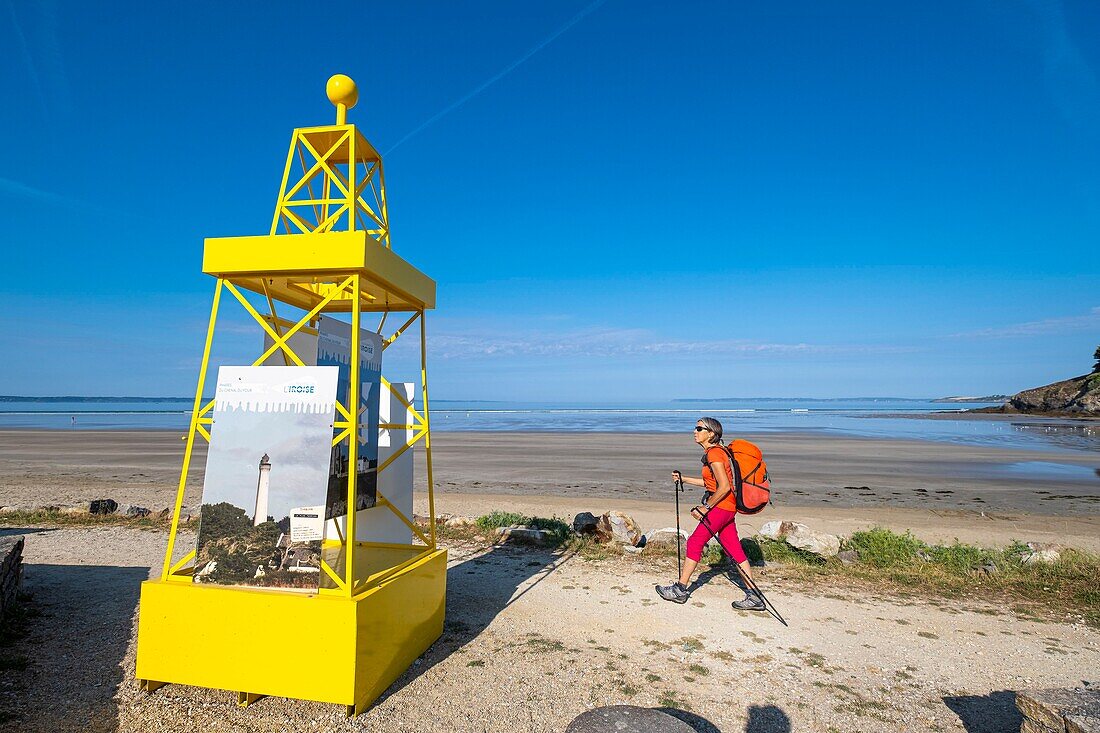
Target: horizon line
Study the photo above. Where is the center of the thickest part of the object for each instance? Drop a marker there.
(135, 398)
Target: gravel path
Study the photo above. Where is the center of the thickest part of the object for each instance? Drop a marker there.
(533, 639)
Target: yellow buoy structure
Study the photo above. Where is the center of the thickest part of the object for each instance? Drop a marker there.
(378, 604)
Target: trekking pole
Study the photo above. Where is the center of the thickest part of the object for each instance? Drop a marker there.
(678, 486)
(744, 576)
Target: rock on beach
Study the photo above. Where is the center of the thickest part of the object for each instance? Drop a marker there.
(618, 527)
(801, 537)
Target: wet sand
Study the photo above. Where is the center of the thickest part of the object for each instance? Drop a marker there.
(846, 481)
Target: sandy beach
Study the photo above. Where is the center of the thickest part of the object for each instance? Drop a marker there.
(849, 658)
(941, 491)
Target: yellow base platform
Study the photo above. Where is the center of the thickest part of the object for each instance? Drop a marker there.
(323, 647)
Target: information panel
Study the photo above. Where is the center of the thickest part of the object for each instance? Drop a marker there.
(269, 458)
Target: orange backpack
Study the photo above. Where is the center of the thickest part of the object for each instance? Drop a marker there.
(751, 486)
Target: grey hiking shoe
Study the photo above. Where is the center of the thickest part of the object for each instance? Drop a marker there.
(751, 602)
(675, 592)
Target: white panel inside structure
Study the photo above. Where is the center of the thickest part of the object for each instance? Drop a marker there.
(395, 482)
(301, 343)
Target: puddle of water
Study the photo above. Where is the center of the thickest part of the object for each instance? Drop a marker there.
(1048, 469)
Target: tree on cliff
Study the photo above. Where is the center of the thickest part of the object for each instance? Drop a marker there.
(1096, 366)
(222, 520)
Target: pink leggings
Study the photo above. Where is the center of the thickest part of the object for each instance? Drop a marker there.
(721, 522)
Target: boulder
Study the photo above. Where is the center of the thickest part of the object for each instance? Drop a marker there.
(102, 506)
(633, 550)
(778, 530)
(1042, 557)
(618, 527)
(631, 719)
(526, 534)
(819, 543)
(585, 523)
(132, 510)
(665, 536)
(848, 557)
(460, 522)
(753, 552)
(1076, 710)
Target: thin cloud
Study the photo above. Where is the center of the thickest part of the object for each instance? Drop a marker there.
(499, 75)
(1046, 327)
(1070, 79)
(601, 343)
(22, 190)
(41, 53)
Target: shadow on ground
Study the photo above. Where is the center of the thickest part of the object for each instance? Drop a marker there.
(698, 723)
(986, 713)
(478, 589)
(70, 679)
(8, 531)
(715, 571)
(762, 719)
(767, 719)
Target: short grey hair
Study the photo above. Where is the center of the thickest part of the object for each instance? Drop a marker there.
(713, 426)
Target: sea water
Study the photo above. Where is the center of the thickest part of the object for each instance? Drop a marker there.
(865, 417)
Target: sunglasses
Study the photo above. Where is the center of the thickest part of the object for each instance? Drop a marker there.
(700, 428)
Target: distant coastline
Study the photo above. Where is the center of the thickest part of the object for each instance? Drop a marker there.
(811, 399)
(990, 398)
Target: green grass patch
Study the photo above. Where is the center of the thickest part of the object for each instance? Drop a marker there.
(560, 531)
(777, 551)
(903, 563)
(885, 549)
(495, 520)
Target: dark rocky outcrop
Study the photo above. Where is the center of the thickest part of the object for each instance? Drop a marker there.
(1080, 394)
(1077, 397)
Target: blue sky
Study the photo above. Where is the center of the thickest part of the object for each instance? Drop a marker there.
(618, 200)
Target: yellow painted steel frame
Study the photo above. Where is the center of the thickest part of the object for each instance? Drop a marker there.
(379, 606)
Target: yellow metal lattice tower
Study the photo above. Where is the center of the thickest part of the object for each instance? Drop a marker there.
(379, 605)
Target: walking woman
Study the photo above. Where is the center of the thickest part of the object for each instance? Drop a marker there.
(720, 509)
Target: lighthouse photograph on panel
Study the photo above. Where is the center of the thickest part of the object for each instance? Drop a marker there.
(267, 473)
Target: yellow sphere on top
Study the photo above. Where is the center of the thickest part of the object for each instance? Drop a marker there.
(341, 89)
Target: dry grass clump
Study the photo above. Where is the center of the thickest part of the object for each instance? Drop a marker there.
(54, 517)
